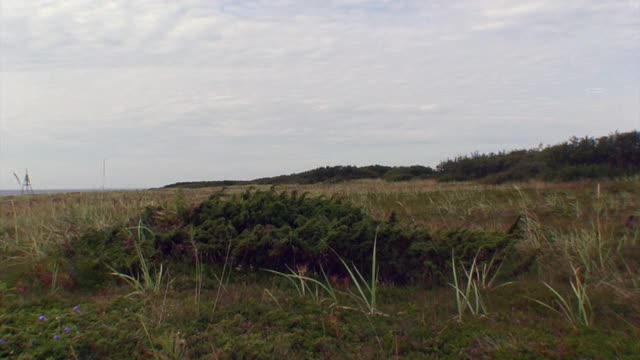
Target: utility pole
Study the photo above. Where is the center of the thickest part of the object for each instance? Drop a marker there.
(104, 172)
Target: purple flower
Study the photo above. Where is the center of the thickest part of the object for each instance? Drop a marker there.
(56, 337)
(77, 309)
(2, 342)
(67, 330)
(42, 318)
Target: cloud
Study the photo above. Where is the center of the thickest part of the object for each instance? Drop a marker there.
(518, 9)
(410, 108)
(237, 89)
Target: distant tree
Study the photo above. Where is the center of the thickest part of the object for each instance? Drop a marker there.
(608, 156)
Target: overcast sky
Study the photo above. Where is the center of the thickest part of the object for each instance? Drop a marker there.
(199, 90)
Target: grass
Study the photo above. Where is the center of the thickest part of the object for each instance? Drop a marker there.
(365, 294)
(221, 280)
(308, 286)
(366, 291)
(576, 307)
(147, 282)
(468, 296)
(584, 269)
(198, 271)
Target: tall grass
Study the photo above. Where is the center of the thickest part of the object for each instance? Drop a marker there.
(173, 346)
(222, 280)
(468, 293)
(367, 291)
(198, 269)
(148, 281)
(575, 308)
(308, 286)
(586, 248)
(534, 236)
(146, 331)
(567, 223)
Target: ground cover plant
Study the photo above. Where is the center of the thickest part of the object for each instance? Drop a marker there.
(458, 270)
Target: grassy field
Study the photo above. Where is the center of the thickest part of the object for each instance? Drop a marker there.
(579, 298)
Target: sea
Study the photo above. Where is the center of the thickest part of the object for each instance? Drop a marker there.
(55, 191)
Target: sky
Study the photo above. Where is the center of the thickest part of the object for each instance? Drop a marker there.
(170, 91)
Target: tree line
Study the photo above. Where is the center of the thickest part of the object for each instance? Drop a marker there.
(609, 156)
(578, 158)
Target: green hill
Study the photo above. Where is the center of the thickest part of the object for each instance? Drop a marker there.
(578, 158)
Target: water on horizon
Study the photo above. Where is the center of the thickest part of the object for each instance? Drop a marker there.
(6, 192)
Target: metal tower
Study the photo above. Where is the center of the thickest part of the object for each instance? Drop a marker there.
(26, 184)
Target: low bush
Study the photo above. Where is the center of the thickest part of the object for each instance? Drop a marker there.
(277, 231)
(270, 230)
(92, 255)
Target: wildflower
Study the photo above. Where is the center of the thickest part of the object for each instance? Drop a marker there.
(56, 337)
(42, 318)
(77, 309)
(2, 342)
(67, 330)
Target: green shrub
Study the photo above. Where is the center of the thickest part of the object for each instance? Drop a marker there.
(271, 230)
(91, 254)
(277, 231)
(406, 173)
(435, 252)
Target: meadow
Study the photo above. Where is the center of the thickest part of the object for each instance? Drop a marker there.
(527, 270)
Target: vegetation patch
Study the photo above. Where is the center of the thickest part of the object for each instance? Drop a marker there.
(178, 274)
(280, 231)
(616, 155)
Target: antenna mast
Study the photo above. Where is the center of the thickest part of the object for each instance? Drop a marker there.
(26, 184)
(104, 172)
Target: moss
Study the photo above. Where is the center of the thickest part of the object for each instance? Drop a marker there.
(91, 332)
(594, 343)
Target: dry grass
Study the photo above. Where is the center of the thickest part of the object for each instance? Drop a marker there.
(568, 225)
(30, 225)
